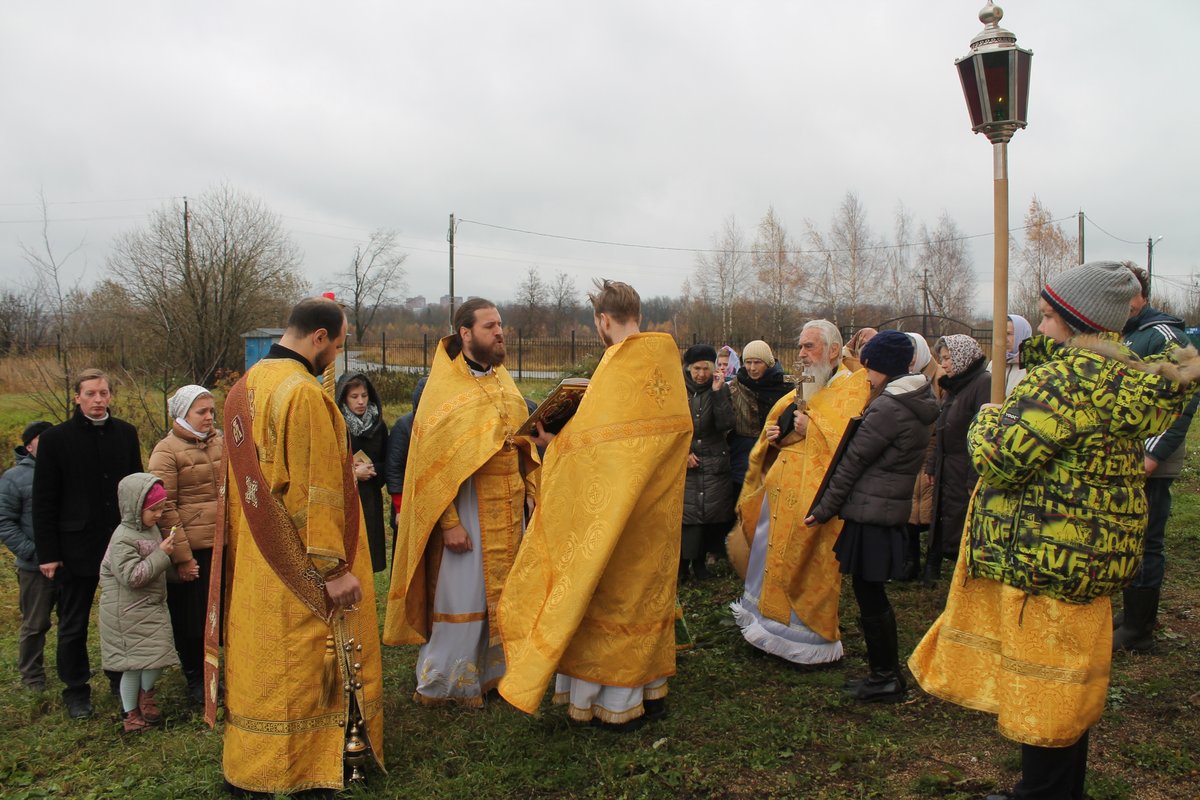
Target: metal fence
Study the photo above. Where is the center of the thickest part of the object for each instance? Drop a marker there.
(544, 357)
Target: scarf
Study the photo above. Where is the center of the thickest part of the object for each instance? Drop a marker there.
(1022, 330)
(361, 426)
(964, 351)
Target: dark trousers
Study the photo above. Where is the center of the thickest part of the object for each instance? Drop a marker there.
(1154, 562)
(36, 599)
(76, 593)
(188, 604)
(871, 596)
(1053, 773)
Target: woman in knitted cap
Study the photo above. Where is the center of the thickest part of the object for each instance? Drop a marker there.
(754, 391)
(190, 462)
(965, 387)
(1054, 529)
(708, 491)
(135, 626)
(871, 488)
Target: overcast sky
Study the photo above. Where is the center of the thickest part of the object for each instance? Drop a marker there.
(642, 122)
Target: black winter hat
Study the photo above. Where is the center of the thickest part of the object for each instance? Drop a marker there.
(34, 430)
(699, 352)
(889, 352)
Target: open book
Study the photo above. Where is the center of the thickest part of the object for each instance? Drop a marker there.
(556, 409)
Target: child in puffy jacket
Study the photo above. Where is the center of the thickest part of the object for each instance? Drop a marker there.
(135, 626)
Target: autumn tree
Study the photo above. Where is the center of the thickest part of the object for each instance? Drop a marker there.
(1046, 251)
(903, 287)
(374, 278)
(200, 278)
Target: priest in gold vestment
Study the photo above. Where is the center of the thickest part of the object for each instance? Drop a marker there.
(592, 592)
(790, 604)
(467, 484)
(302, 664)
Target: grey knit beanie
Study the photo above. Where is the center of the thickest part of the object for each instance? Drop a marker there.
(1093, 296)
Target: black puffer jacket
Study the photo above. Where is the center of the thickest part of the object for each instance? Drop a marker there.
(708, 492)
(950, 464)
(873, 483)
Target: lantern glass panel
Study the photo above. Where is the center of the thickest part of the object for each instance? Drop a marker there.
(1024, 60)
(996, 70)
(970, 85)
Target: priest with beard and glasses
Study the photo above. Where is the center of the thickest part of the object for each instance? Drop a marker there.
(467, 488)
(790, 604)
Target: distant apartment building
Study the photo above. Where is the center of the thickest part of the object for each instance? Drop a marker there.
(445, 300)
(415, 303)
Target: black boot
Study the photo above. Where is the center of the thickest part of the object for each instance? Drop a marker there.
(885, 683)
(1136, 633)
(700, 569)
(195, 686)
(933, 570)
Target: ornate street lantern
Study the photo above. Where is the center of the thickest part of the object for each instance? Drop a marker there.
(995, 81)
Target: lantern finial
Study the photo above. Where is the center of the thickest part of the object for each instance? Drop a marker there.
(991, 14)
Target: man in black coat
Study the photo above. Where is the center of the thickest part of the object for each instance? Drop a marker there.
(79, 464)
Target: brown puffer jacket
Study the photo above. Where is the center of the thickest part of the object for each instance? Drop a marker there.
(191, 473)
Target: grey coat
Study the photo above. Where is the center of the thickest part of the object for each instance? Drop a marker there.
(708, 490)
(873, 483)
(135, 626)
(16, 511)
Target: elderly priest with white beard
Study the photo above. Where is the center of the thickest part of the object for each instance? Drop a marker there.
(790, 604)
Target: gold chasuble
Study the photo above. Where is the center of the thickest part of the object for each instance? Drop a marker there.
(801, 571)
(463, 429)
(592, 592)
(285, 697)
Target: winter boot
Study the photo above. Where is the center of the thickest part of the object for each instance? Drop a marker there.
(148, 708)
(885, 683)
(195, 686)
(1136, 633)
(133, 721)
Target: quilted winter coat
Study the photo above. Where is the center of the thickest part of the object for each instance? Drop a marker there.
(1061, 509)
(135, 627)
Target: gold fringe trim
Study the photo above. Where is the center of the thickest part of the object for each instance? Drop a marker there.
(655, 692)
(475, 701)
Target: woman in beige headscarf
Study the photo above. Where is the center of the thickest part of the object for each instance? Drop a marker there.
(189, 461)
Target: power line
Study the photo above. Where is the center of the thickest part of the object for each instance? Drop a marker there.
(1109, 235)
(743, 252)
(91, 202)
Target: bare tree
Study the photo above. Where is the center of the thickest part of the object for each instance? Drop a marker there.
(530, 302)
(564, 302)
(944, 258)
(201, 279)
(722, 274)
(903, 286)
(1046, 251)
(24, 321)
(779, 279)
(374, 278)
(849, 268)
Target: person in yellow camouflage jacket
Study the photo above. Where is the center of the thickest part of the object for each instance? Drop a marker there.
(1055, 528)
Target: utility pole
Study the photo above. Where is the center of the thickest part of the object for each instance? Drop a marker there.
(1081, 236)
(450, 238)
(925, 292)
(187, 238)
(1150, 242)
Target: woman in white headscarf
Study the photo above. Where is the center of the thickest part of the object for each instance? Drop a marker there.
(1019, 330)
(189, 461)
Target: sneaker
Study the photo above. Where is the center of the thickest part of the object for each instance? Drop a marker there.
(655, 709)
(80, 709)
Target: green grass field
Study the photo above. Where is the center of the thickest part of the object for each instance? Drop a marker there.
(741, 725)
